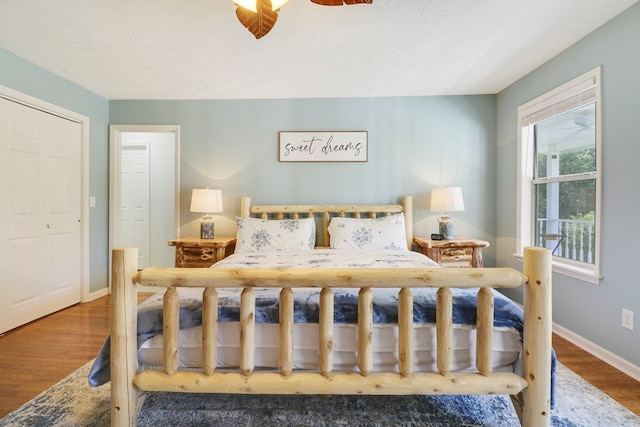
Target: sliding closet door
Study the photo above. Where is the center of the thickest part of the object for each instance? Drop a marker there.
(40, 237)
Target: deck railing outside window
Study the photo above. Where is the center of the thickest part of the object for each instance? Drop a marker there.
(567, 238)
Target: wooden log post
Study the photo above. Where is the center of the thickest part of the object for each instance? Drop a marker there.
(325, 329)
(484, 330)
(444, 330)
(124, 324)
(286, 331)
(407, 205)
(365, 331)
(405, 332)
(247, 330)
(209, 330)
(537, 338)
(245, 206)
(326, 218)
(171, 330)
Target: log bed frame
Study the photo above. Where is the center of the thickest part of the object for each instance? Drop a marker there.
(530, 393)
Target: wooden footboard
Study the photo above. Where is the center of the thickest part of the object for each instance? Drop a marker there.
(533, 389)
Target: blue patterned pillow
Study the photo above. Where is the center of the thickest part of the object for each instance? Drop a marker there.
(382, 233)
(263, 235)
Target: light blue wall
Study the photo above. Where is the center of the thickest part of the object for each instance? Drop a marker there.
(27, 78)
(415, 144)
(591, 311)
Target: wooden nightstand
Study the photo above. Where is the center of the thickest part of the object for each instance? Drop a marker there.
(458, 252)
(196, 252)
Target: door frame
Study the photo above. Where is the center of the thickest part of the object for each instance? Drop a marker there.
(115, 144)
(47, 107)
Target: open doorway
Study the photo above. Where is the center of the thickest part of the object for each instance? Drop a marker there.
(144, 191)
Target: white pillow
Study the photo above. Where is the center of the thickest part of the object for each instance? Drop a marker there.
(382, 233)
(263, 235)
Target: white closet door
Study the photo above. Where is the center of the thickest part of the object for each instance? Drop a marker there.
(40, 240)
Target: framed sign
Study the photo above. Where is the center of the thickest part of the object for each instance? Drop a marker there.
(310, 146)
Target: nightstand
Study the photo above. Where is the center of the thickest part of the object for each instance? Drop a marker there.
(458, 252)
(196, 252)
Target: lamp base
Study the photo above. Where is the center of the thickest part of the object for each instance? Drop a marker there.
(446, 227)
(206, 228)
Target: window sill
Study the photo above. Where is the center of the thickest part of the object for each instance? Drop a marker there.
(571, 270)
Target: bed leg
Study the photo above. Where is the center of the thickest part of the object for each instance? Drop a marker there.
(537, 338)
(124, 394)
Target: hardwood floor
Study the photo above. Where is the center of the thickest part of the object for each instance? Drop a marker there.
(36, 356)
(611, 381)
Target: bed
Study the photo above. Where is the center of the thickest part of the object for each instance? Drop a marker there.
(344, 309)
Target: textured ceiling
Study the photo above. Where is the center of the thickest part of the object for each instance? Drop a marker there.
(197, 49)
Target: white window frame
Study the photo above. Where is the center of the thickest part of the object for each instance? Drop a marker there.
(582, 90)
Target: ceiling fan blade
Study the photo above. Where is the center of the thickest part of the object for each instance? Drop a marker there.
(258, 23)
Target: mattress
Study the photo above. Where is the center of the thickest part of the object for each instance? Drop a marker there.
(507, 342)
(506, 348)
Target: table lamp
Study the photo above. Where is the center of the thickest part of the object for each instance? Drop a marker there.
(446, 199)
(206, 201)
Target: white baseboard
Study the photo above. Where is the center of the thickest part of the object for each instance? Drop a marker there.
(105, 291)
(603, 354)
(97, 294)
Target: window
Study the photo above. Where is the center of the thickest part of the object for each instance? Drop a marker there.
(559, 176)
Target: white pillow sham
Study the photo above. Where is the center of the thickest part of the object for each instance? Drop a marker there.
(263, 235)
(382, 233)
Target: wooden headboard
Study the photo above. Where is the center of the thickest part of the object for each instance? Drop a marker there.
(329, 211)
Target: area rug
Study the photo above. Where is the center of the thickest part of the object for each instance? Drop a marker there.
(72, 402)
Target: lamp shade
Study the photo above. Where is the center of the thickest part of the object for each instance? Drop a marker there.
(252, 6)
(206, 200)
(277, 4)
(447, 199)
